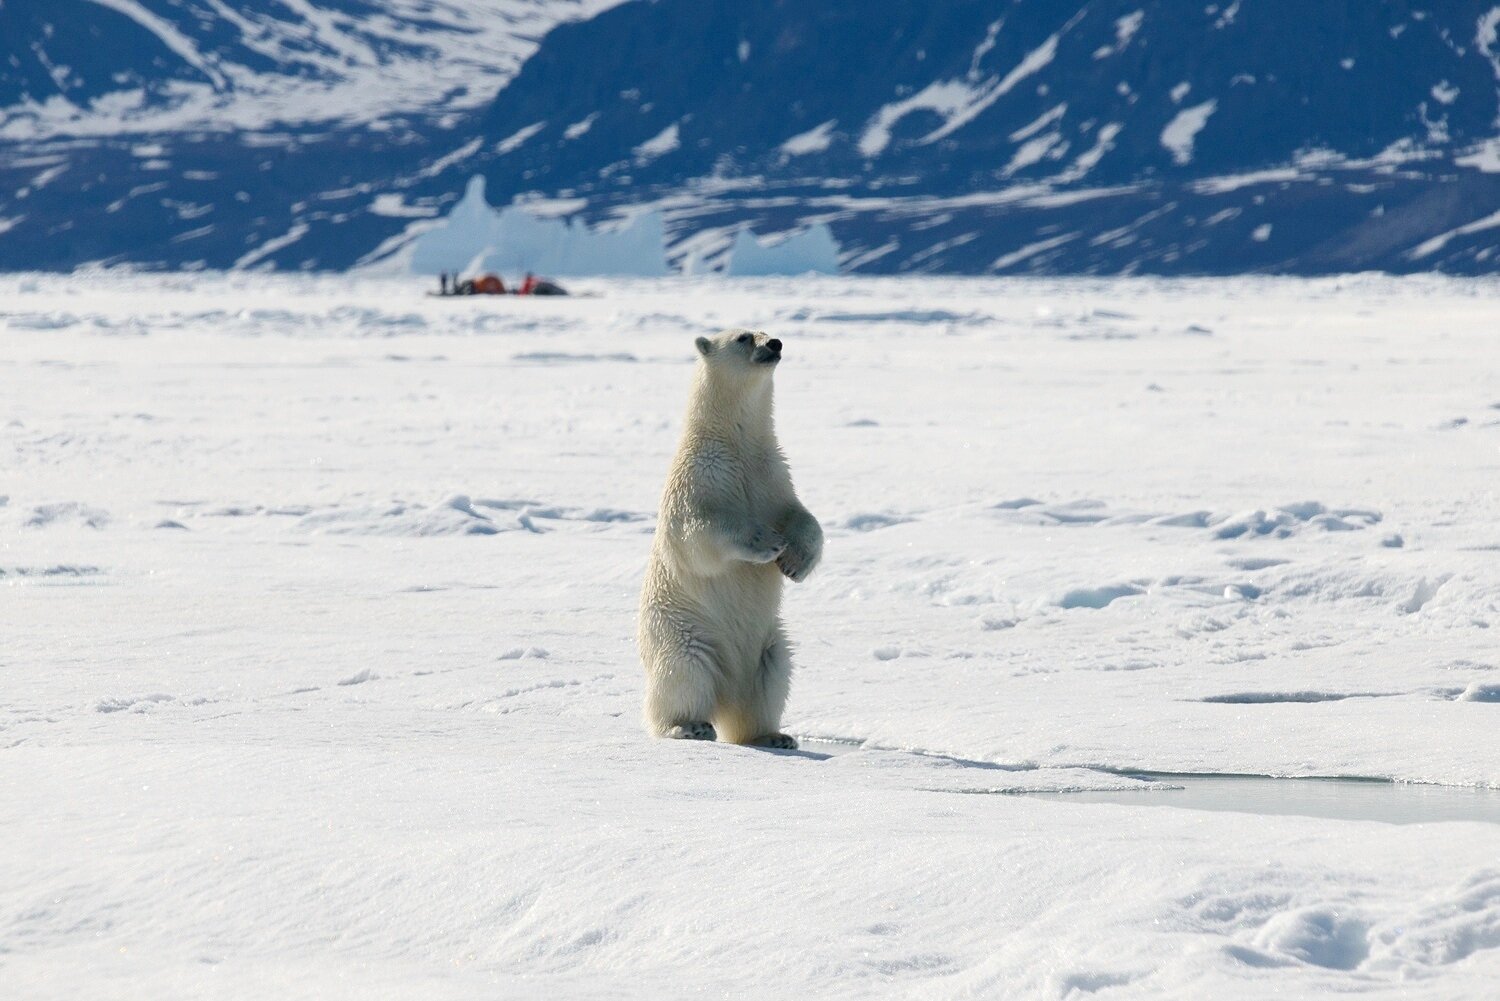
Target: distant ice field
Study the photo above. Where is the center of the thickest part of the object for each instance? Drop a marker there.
(317, 603)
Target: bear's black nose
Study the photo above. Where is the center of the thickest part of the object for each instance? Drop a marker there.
(774, 345)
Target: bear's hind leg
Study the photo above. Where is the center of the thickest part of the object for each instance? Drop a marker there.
(759, 721)
(680, 699)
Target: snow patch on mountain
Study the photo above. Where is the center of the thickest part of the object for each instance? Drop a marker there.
(580, 127)
(658, 145)
(1031, 250)
(956, 102)
(1127, 26)
(168, 35)
(1181, 132)
(1429, 247)
(815, 140)
(288, 238)
(256, 65)
(1486, 35)
(518, 138)
(1089, 159)
(1033, 150)
(395, 206)
(1043, 120)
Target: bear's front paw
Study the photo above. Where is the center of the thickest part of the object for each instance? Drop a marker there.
(765, 546)
(696, 730)
(795, 564)
(776, 741)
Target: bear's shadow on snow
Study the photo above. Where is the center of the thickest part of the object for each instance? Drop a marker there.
(784, 752)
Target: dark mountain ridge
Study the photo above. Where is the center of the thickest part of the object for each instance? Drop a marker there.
(966, 137)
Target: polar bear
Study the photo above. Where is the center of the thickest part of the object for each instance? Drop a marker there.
(710, 635)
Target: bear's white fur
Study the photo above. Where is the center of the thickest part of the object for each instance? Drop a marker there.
(717, 663)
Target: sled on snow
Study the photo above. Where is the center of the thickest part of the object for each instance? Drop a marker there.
(491, 284)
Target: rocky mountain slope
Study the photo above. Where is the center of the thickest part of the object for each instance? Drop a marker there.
(1109, 136)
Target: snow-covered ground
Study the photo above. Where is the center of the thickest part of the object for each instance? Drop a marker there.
(318, 607)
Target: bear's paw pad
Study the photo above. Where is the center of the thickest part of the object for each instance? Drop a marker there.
(692, 731)
(776, 741)
(766, 546)
(793, 565)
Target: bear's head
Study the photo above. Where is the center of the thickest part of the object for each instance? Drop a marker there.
(740, 352)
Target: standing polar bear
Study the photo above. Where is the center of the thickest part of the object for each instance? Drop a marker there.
(717, 664)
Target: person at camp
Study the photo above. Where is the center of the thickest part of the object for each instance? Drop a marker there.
(528, 286)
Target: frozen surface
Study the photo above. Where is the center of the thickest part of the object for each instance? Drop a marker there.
(1338, 799)
(319, 682)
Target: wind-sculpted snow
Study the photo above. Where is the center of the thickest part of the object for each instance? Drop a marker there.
(310, 319)
(320, 676)
(456, 515)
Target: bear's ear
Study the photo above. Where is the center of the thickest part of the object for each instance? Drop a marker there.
(705, 346)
